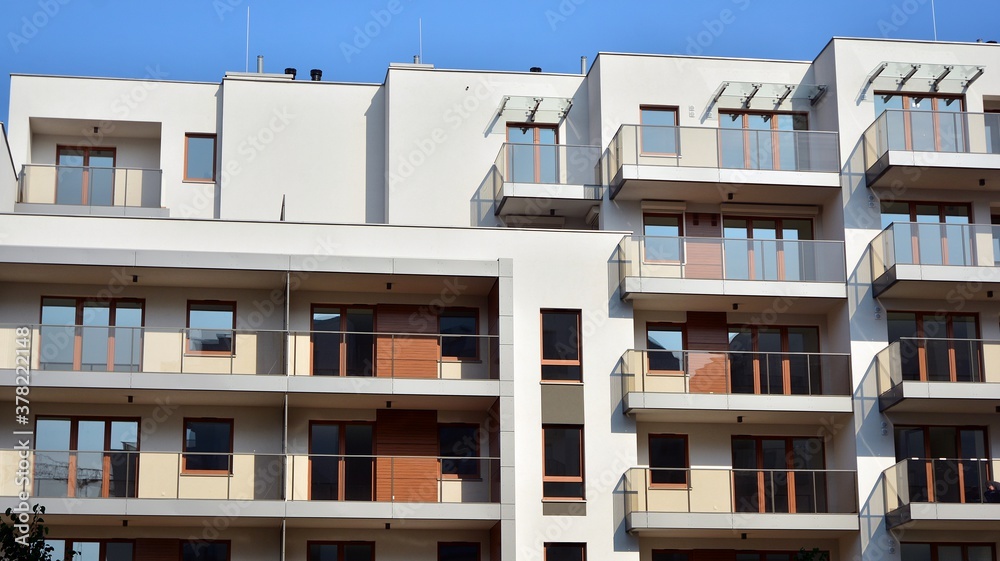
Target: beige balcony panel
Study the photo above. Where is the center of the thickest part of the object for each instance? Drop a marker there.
(40, 185)
(301, 345)
(991, 363)
(203, 486)
(9, 460)
(158, 475)
(161, 351)
(664, 383)
(299, 478)
(710, 491)
(466, 490)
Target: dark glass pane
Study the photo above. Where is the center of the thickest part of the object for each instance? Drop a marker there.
(128, 336)
(677, 556)
(360, 341)
(326, 341)
(208, 436)
(665, 344)
(205, 551)
(211, 327)
(118, 551)
(200, 158)
(359, 552)
(562, 451)
(323, 552)
(564, 552)
(659, 132)
(668, 452)
(324, 444)
(58, 342)
(358, 470)
(915, 551)
(462, 327)
(455, 442)
(569, 489)
(560, 338)
(458, 552)
(561, 372)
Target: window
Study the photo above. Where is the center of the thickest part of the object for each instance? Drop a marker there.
(563, 462)
(458, 551)
(205, 551)
(775, 360)
(930, 233)
(937, 346)
(669, 555)
(458, 328)
(213, 438)
(763, 141)
(665, 346)
(770, 249)
(561, 346)
(343, 341)
(85, 176)
(668, 459)
(944, 464)
(779, 474)
(659, 130)
(199, 157)
(662, 237)
(947, 551)
(341, 551)
(91, 550)
(341, 461)
(211, 326)
(459, 441)
(86, 457)
(91, 335)
(923, 122)
(565, 552)
(532, 153)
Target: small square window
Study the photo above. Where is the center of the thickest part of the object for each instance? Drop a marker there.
(459, 328)
(458, 442)
(199, 157)
(659, 131)
(565, 552)
(668, 459)
(210, 328)
(213, 438)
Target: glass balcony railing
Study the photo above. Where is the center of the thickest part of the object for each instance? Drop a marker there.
(548, 165)
(89, 186)
(731, 259)
(736, 372)
(939, 480)
(704, 147)
(721, 490)
(931, 131)
(312, 477)
(937, 360)
(957, 245)
(88, 348)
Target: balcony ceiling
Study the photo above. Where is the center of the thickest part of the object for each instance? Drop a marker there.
(85, 127)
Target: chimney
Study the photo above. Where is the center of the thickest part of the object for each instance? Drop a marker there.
(291, 72)
(260, 64)
(316, 74)
(583, 65)
(535, 69)
(416, 59)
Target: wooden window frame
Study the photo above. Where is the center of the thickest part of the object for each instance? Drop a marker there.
(582, 546)
(78, 326)
(459, 311)
(786, 367)
(479, 548)
(760, 469)
(775, 150)
(687, 461)
(677, 141)
(680, 235)
(779, 227)
(103, 545)
(560, 362)
(184, 454)
(85, 194)
(537, 152)
(660, 325)
(931, 490)
(342, 367)
(581, 479)
(478, 455)
(342, 455)
(182, 543)
(920, 316)
(188, 351)
(340, 545)
(74, 434)
(934, 112)
(942, 217)
(215, 156)
(964, 545)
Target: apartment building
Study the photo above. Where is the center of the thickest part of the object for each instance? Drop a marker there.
(669, 309)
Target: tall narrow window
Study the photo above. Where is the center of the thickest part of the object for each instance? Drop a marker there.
(205, 551)
(662, 237)
(532, 153)
(199, 157)
(658, 128)
(456, 443)
(665, 344)
(211, 328)
(668, 459)
(343, 341)
(458, 551)
(565, 552)
(561, 346)
(208, 445)
(563, 462)
(458, 328)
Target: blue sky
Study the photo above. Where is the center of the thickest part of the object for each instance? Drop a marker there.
(355, 40)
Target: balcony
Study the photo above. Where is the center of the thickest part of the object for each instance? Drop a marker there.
(941, 494)
(266, 486)
(710, 272)
(89, 190)
(936, 261)
(719, 386)
(309, 364)
(932, 150)
(539, 180)
(701, 164)
(716, 502)
(939, 376)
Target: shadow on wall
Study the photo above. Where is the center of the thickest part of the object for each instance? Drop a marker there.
(483, 203)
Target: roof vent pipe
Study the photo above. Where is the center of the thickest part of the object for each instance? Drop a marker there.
(260, 64)
(416, 59)
(583, 65)
(535, 69)
(291, 72)
(316, 74)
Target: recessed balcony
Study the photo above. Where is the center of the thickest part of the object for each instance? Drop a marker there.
(62, 189)
(309, 365)
(941, 494)
(939, 376)
(462, 491)
(702, 164)
(723, 386)
(936, 261)
(924, 149)
(711, 272)
(718, 502)
(545, 180)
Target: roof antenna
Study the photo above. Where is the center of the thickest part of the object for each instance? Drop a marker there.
(934, 19)
(248, 41)
(420, 39)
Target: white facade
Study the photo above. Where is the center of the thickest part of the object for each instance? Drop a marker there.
(412, 203)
